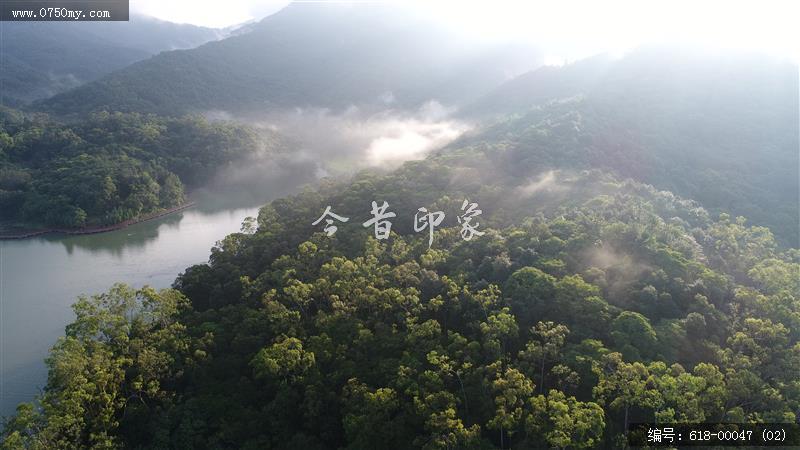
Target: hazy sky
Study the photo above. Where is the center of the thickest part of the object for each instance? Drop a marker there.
(209, 13)
(592, 26)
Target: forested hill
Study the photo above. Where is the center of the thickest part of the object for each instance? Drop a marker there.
(329, 55)
(110, 168)
(635, 257)
(41, 59)
(675, 75)
(722, 130)
(589, 302)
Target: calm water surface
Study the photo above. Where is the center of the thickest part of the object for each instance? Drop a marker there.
(40, 278)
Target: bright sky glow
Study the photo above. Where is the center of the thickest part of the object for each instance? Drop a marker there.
(569, 28)
(207, 13)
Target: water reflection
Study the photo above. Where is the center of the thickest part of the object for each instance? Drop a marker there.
(40, 278)
(134, 236)
(207, 206)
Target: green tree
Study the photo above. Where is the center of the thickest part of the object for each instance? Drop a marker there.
(511, 390)
(285, 360)
(546, 348)
(622, 386)
(633, 335)
(116, 361)
(566, 422)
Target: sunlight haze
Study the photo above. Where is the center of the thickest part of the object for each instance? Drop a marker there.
(569, 29)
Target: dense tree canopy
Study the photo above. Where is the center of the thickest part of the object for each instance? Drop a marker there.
(637, 256)
(580, 310)
(110, 167)
(731, 158)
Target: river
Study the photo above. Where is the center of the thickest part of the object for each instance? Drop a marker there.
(41, 277)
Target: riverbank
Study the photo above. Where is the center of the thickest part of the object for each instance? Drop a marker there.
(42, 277)
(95, 230)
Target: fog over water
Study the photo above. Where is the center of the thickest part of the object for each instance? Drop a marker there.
(40, 278)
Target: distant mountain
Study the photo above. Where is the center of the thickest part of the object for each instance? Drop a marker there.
(40, 59)
(722, 130)
(540, 86)
(327, 55)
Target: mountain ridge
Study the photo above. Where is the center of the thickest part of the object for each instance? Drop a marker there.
(40, 59)
(331, 56)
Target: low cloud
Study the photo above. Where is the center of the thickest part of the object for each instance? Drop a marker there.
(621, 269)
(356, 138)
(402, 140)
(318, 142)
(547, 182)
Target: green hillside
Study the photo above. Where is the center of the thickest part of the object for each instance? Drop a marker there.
(721, 130)
(634, 256)
(309, 55)
(110, 168)
(41, 59)
(588, 302)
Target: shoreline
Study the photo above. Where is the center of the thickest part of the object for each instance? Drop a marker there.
(96, 230)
